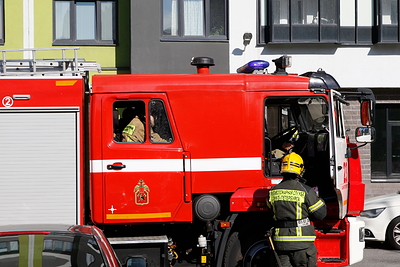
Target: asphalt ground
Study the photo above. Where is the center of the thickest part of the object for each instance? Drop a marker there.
(379, 254)
(376, 254)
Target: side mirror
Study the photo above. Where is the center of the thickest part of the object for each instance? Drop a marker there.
(365, 134)
(367, 112)
(367, 100)
(136, 262)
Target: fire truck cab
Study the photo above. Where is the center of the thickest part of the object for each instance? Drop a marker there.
(185, 156)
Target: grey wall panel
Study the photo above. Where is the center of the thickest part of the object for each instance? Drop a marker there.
(151, 55)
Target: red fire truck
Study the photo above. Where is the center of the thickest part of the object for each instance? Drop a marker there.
(193, 186)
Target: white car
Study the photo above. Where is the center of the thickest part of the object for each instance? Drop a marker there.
(382, 219)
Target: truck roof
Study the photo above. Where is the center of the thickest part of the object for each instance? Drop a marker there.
(196, 82)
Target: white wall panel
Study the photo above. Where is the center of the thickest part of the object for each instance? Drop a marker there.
(374, 66)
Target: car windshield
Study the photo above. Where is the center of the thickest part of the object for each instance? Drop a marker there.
(50, 250)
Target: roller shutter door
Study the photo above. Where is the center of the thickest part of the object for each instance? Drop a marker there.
(39, 173)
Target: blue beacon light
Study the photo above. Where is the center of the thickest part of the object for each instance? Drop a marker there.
(252, 66)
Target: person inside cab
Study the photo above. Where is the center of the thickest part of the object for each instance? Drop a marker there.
(134, 131)
(286, 149)
(293, 204)
(160, 131)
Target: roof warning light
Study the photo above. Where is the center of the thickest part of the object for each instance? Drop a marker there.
(255, 65)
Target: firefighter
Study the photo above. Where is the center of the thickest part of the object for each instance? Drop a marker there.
(155, 137)
(134, 131)
(286, 149)
(160, 130)
(293, 205)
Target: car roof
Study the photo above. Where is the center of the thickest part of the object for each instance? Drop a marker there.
(77, 229)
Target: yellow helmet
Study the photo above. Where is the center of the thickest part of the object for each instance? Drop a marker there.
(292, 163)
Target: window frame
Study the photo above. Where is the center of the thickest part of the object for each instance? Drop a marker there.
(207, 24)
(73, 32)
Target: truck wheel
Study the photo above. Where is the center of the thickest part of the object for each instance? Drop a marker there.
(244, 250)
(393, 233)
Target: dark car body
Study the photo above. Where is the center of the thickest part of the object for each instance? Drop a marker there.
(55, 246)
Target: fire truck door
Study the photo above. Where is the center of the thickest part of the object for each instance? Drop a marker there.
(338, 148)
(143, 162)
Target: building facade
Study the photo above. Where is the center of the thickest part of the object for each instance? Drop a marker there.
(166, 34)
(93, 26)
(357, 41)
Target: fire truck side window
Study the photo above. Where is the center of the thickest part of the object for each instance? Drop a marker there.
(160, 129)
(280, 124)
(338, 120)
(280, 127)
(129, 121)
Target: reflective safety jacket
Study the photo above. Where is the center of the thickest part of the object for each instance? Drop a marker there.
(134, 131)
(293, 204)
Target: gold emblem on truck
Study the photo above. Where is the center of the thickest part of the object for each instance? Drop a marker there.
(141, 193)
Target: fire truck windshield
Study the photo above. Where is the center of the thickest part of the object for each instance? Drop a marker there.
(308, 114)
(314, 111)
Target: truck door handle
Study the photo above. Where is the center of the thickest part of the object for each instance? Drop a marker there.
(116, 166)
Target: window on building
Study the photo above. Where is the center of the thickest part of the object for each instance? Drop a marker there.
(316, 21)
(1, 21)
(194, 20)
(84, 22)
(300, 21)
(357, 21)
(388, 21)
(385, 151)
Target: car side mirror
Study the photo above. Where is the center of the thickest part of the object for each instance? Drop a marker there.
(136, 262)
(365, 134)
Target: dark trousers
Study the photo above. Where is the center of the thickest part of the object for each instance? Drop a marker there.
(298, 258)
